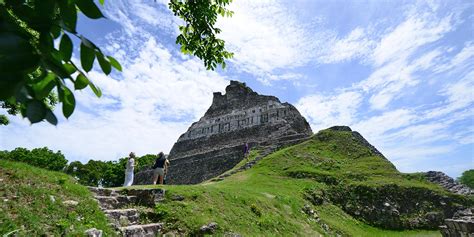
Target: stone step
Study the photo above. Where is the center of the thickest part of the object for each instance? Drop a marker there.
(147, 197)
(115, 202)
(147, 230)
(123, 217)
(103, 191)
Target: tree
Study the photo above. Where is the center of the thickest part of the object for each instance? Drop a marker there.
(106, 173)
(39, 157)
(32, 68)
(467, 178)
(144, 162)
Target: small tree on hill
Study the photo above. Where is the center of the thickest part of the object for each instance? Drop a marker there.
(467, 178)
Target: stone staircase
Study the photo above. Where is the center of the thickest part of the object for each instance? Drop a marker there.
(118, 207)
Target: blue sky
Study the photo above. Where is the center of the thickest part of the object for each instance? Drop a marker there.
(399, 72)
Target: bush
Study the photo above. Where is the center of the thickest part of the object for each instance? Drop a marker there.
(39, 157)
(467, 178)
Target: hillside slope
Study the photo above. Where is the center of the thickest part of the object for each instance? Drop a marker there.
(37, 202)
(335, 183)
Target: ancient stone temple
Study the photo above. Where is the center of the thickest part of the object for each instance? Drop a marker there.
(214, 144)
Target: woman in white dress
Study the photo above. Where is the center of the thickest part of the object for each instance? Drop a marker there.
(129, 170)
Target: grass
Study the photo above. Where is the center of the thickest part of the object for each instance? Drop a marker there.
(268, 199)
(32, 203)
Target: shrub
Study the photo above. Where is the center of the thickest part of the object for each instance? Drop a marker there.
(467, 178)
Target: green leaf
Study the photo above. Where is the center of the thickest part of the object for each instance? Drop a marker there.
(69, 68)
(87, 42)
(69, 103)
(65, 47)
(68, 13)
(95, 89)
(35, 111)
(46, 42)
(89, 9)
(104, 64)
(44, 86)
(81, 82)
(51, 118)
(56, 31)
(10, 83)
(101, 2)
(57, 67)
(115, 63)
(87, 57)
(16, 54)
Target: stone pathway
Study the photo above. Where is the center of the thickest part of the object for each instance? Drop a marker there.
(118, 207)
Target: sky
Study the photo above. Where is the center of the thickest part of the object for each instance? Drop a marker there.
(399, 72)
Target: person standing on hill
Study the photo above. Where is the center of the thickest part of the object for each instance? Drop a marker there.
(129, 170)
(159, 168)
(246, 151)
(167, 166)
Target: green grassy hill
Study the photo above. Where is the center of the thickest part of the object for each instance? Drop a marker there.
(37, 202)
(331, 184)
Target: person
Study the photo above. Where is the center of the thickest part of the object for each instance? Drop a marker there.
(159, 168)
(167, 165)
(246, 151)
(129, 170)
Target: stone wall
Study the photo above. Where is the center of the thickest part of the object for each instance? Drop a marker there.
(448, 183)
(461, 225)
(215, 143)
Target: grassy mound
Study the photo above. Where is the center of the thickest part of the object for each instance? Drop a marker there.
(321, 186)
(37, 202)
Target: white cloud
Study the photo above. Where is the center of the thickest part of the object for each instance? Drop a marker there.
(269, 40)
(417, 30)
(265, 36)
(325, 111)
(138, 17)
(356, 44)
(376, 127)
(459, 95)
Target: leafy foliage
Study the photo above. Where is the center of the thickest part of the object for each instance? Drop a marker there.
(105, 173)
(467, 178)
(32, 68)
(39, 157)
(4, 120)
(198, 35)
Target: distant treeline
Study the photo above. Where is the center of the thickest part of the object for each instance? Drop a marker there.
(93, 173)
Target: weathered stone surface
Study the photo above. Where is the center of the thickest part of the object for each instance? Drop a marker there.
(448, 183)
(143, 177)
(123, 217)
(147, 197)
(103, 191)
(209, 228)
(70, 203)
(115, 202)
(214, 144)
(461, 225)
(127, 222)
(93, 232)
(148, 230)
